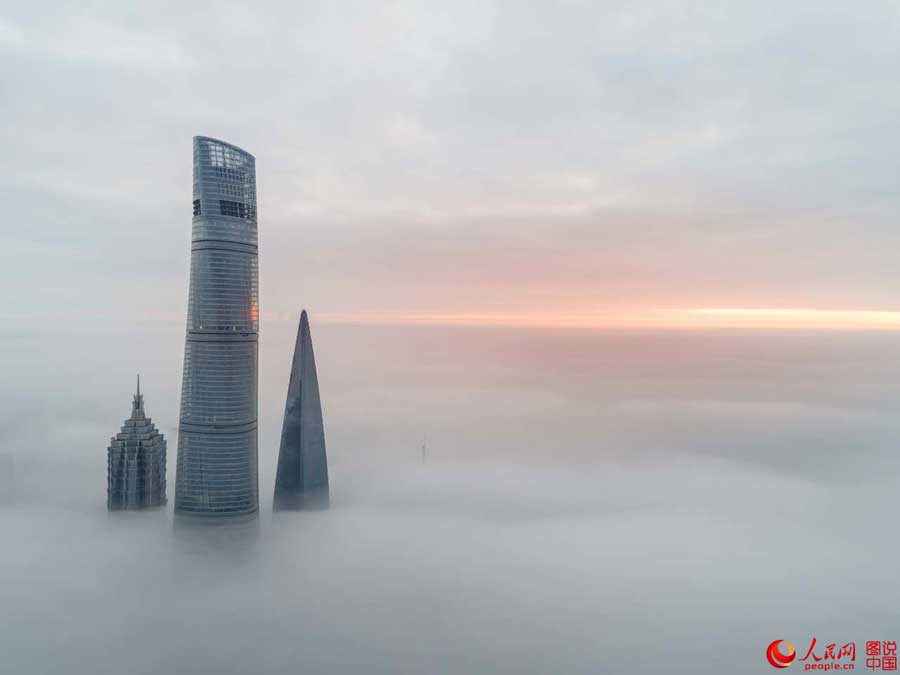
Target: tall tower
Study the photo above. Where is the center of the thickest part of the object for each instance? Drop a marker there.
(216, 473)
(301, 481)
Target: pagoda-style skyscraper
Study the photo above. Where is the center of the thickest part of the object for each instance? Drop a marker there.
(216, 473)
(136, 462)
(302, 478)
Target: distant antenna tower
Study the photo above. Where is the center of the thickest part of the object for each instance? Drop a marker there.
(424, 448)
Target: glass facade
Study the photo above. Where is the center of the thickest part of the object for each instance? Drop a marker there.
(216, 473)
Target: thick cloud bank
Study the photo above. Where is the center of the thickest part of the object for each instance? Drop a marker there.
(590, 502)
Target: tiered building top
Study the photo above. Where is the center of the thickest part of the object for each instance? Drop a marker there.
(136, 462)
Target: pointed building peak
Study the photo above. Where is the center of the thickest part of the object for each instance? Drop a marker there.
(301, 480)
(137, 407)
(303, 334)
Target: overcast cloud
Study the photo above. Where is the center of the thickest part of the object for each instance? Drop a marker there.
(438, 156)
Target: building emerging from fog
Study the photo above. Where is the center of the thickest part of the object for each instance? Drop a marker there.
(136, 462)
(302, 478)
(217, 458)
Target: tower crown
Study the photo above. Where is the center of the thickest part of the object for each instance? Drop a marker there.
(136, 462)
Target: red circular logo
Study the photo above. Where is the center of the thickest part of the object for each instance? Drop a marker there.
(778, 658)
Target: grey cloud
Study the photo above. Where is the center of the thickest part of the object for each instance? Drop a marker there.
(581, 128)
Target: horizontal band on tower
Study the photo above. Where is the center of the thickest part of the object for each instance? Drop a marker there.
(237, 428)
(221, 336)
(223, 245)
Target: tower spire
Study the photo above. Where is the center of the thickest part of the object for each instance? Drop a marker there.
(137, 408)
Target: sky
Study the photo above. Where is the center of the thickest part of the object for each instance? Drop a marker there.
(462, 161)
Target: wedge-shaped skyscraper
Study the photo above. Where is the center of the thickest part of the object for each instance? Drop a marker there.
(136, 462)
(217, 462)
(302, 478)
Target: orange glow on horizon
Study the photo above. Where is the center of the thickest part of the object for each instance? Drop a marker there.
(673, 318)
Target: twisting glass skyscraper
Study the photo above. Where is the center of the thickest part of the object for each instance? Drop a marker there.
(217, 456)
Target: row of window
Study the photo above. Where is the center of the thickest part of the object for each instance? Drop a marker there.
(234, 209)
(230, 174)
(223, 156)
(229, 208)
(209, 186)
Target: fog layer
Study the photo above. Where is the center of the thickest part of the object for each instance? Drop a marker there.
(589, 502)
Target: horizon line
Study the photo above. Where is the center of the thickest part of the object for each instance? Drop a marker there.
(656, 318)
(677, 318)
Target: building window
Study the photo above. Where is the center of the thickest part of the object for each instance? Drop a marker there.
(233, 209)
(196, 207)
